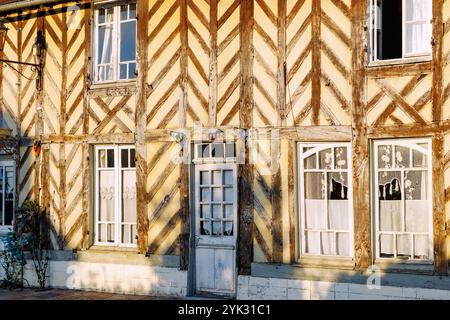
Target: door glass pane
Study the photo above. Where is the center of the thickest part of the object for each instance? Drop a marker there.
(217, 178)
(315, 205)
(228, 211)
(110, 158)
(228, 177)
(129, 196)
(228, 194)
(102, 158)
(205, 195)
(416, 204)
(228, 228)
(311, 161)
(390, 205)
(342, 244)
(205, 211)
(385, 157)
(124, 158)
(326, 159)
(217, 211)
(217, 194)
(217, 228)
(340, 158)
(106, 196)
(338, 204)
(421, 245)
(387, 245)
(133, 158)
(312, 239)
(402, 158)
(204, 178)
(420, 159)
(205, 228)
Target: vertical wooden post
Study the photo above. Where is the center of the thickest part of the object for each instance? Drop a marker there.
(275, 149)
(184, 167)
(316, 61)
(438, 60)
(245, 239)
(39, 127)
(281, 73)
(62, 132)
(85, 202)
(291, 199)
(360, 142)
(141, 126)
(213, 28)
(439, 215)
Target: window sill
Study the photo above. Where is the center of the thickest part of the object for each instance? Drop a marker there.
(400, 266)
(326, 262)
(399, 67)
(401, 61)
(125, 256)
(119, 88)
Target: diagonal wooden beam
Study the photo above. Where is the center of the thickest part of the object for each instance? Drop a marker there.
(399, 100)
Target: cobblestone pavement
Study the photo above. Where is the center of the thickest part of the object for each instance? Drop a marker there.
(58, 294)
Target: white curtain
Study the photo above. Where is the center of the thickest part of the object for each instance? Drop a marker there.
(316, 214)
(390, 215)
(418, 26)
(338, 214)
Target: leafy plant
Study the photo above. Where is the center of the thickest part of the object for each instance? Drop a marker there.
(32, 228)
(12, 261)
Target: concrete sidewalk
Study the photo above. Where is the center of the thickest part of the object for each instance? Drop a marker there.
(58, 294)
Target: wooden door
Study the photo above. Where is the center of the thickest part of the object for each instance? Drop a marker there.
(215, 229)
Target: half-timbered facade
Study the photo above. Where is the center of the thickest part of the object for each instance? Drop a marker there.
(243, 148)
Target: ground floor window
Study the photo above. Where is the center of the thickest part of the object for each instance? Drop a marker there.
(7, 193)
(403, 208)
(326, 224)
(115, 195)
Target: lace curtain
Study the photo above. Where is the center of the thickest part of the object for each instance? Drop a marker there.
(418, 26)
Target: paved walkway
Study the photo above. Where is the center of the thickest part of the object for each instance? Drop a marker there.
(58, 294)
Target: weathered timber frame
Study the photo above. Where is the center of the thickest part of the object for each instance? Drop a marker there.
(282, 238)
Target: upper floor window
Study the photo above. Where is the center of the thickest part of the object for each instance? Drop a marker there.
(115, 43)
(399, 29)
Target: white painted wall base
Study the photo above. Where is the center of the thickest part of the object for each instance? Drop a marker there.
(255, 288)
(114, 278)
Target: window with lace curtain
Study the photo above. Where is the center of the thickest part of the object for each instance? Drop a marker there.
(115, 42)
(115, 196)
(326, 221)
(7, 193)
(399, 29)
(403, 208)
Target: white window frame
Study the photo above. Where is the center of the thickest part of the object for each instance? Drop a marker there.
(216, 239)
(413, 144)
(373, 36)
(198, 159)
(4, 164)
(317, 147)
(117, 196)
(116, 35)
